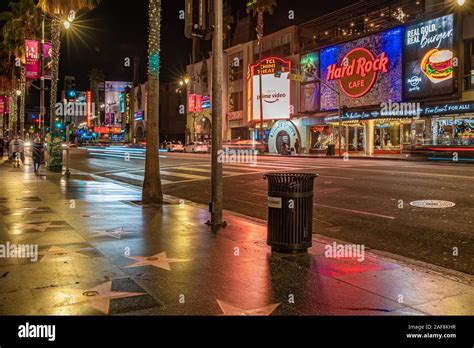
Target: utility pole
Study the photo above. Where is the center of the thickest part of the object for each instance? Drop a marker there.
(42, 109)
(136, 62)
(216, 205)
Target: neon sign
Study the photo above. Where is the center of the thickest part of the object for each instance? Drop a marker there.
(358, 71)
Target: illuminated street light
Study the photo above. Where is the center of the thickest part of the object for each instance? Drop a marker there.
(186, 80)
(461, 2)
(67, 24)
(71, 16)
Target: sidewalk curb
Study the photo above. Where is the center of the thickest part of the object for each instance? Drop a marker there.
(454, 275)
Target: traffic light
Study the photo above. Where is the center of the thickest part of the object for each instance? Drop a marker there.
(198, 19)
(70, 87)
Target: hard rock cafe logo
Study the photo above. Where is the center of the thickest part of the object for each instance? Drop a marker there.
(358, 71)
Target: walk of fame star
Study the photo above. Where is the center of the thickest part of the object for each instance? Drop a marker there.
(229, 309)
(115, 233)
(40, 227)
(159, 261)
(56, 252)
(98, 297)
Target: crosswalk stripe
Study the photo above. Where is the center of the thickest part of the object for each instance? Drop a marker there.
(201, 170)
(138, 177)
(183, 175)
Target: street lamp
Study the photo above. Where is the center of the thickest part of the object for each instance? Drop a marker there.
(461, 2)
(67, 25)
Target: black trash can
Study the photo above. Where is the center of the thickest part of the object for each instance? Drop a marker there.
(331, 150)
(290, 211)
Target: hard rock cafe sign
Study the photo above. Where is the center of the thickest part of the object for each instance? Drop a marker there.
(358, 71)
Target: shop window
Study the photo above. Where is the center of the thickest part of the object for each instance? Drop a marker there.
(387, 135)
(469, 64)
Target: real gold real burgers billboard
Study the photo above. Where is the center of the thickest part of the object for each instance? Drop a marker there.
(429, 58)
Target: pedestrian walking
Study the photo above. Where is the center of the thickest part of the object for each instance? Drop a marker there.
(37, 154)
(297, 146)
(2, 145)
(17, 151)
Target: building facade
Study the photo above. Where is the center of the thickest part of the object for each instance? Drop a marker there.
(388, 77)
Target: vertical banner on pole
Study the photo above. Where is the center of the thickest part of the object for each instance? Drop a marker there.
(47, 53)
(89, 108)
(32, 66)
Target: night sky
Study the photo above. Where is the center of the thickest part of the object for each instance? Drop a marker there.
(118, 29)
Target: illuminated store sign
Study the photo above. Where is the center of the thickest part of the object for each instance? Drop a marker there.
(426, 110)
(429, 58)
(275, 89)
(448, 109)
(367, 71)
(358, 71)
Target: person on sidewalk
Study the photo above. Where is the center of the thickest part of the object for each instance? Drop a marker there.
(2, 145)
(37, 154)
(17, 151)
(297, 146)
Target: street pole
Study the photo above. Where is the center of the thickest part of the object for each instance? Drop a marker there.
(42, 110)
(68, 155)
(216, 205)
(340, 122)
(262, 133)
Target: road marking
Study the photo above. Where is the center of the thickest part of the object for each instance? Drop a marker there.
(139, 177)
(335, 177)
(183, 175)
(355, 211)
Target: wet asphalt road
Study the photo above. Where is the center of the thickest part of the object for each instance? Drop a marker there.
(359, 201)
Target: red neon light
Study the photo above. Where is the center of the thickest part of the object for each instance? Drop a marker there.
(360, 73)
(451, 149)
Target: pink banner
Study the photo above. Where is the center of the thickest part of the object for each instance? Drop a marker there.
(32, 66)
(47, 53)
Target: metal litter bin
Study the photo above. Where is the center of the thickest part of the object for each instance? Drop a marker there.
(290, 211)
(331, 150)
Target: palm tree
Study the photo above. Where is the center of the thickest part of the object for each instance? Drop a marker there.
(96, 76)
(58, 10)
(22, 22)
(152, 191)
(228, 21)
(258, 8)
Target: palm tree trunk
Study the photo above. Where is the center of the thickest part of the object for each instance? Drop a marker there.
(56, 47)
(22, 101)
(152, 191)
(13, 124)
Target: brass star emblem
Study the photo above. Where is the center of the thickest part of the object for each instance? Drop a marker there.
(229, 309)
(98, 297)
(115, 233)
(56, 252)
(40, 227)
(159, 261)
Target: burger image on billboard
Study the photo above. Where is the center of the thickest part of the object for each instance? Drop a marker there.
(437, 65)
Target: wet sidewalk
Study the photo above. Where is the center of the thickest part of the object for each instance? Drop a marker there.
(99, 252)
